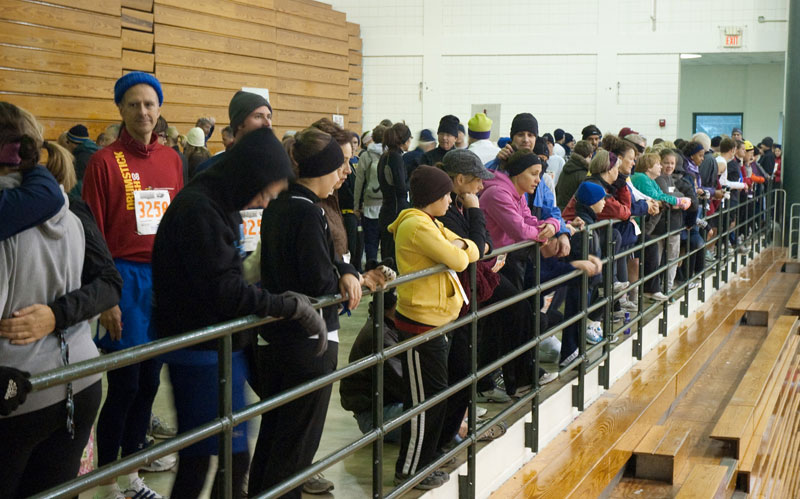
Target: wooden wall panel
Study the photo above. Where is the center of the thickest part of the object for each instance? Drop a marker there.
(142, 5)
(229, 9)
(139, 61)
(134, 19)
(60, 59)
(58, 40)
(60, 17)
(137, 40)
(169, 35)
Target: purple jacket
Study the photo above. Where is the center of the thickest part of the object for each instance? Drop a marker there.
(508, 217)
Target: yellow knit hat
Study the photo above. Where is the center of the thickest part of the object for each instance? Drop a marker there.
(748, 146)
(480, 126)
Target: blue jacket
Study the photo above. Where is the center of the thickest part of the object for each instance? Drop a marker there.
(37, 200)
(544, 199)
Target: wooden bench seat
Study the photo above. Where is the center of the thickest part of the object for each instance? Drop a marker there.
(708, 481)
(661, 453)
(737, 420)
(794, 301)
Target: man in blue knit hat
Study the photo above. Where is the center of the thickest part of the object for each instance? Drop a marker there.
(128, 186)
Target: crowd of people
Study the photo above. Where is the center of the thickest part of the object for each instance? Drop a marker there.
(147, 231)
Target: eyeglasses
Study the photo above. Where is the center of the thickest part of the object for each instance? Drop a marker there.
(70, 401)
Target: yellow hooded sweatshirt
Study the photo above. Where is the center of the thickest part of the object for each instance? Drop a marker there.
(422, 242)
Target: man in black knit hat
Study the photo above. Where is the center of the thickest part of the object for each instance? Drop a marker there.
(247, 112)
(447, 135)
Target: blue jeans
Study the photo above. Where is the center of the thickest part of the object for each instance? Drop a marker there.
(371, 229)
(391, 411)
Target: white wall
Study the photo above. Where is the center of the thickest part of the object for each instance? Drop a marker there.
(756, 90)
(569, 63)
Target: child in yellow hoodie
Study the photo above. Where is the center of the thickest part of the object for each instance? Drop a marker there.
(421, 242)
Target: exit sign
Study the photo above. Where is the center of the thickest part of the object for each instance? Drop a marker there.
(732, 37)
(733, 41)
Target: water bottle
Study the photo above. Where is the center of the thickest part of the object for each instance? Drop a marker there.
(627, 320)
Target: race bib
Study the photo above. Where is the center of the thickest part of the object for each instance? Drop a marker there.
(251, 222)
(150, 208)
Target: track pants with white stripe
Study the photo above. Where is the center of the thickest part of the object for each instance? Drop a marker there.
(424, 375)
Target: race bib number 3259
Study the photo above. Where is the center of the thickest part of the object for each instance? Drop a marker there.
(150, 208)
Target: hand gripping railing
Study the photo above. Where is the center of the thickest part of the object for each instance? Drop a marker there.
(758, 213)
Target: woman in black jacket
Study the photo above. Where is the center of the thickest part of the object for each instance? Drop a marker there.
(393, 182)
(297, 254)
(198, 282)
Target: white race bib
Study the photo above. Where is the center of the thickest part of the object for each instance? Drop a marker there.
(251, 221)
(149, 209)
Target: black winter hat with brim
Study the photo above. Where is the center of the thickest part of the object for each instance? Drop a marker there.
(449, 125)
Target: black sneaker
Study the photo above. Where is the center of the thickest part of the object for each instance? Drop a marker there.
(432, 481)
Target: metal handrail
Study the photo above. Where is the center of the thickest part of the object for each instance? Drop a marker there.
(222, 332)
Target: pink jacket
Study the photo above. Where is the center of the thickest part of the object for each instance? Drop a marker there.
(508, 218)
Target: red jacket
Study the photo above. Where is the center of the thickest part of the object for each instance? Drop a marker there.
(113, 174)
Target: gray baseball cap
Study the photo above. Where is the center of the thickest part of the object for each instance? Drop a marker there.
(465, 162)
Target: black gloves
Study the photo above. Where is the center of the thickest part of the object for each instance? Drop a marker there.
(310, 319)
(14, 388)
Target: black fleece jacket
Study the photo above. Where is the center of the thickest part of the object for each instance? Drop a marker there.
(101, 284)
(468, 223)
(198, 250)
(297, 254)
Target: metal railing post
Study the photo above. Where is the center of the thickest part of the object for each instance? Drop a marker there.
(579, 392)
(224, 478)
(532, 428)
(466, 483)
(377, 392)
(637, 340)
(608, 309)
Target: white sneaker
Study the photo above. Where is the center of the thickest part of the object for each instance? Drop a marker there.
(594, 332)
(138, 489)
(620, 286)
(658, 296)
(568, 360)
(547, 378)
(114, 493)
(495, 395)
(628, 305)
(694, 284)
(165, 463)
(481, 411)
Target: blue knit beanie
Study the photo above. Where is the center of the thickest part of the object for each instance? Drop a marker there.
(589, 193)
(134, 78)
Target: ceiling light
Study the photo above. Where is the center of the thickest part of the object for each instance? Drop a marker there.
(691, 56)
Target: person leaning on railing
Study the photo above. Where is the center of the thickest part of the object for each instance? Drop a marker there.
(198, 282)
(38, 450)
(297, 254)
(422, 305)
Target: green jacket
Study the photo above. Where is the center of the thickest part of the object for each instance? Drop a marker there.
(649, 187)
(575, 171)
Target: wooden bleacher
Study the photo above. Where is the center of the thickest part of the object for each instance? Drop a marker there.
(713, 408)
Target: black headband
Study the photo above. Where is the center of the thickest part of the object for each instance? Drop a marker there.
(521, 164)
(322, 163)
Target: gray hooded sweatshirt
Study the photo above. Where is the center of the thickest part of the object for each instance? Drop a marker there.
(39, 265)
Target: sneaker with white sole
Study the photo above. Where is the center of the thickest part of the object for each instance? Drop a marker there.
(627, 304)
(547, 378)
(657, 296)
(569, 359)
(159, 428)
(594, 332)
(138, 489)
(481, 411)
(317, 484)
(165, 463)
(694, 284)
(432, 481)
(494, 395)
(620, 286)
(113, 493)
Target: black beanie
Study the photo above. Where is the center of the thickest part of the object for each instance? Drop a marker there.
(429, 184)
(248, 167)
(448, 124)
(242, 104)
(590, 130)
(524, 122)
